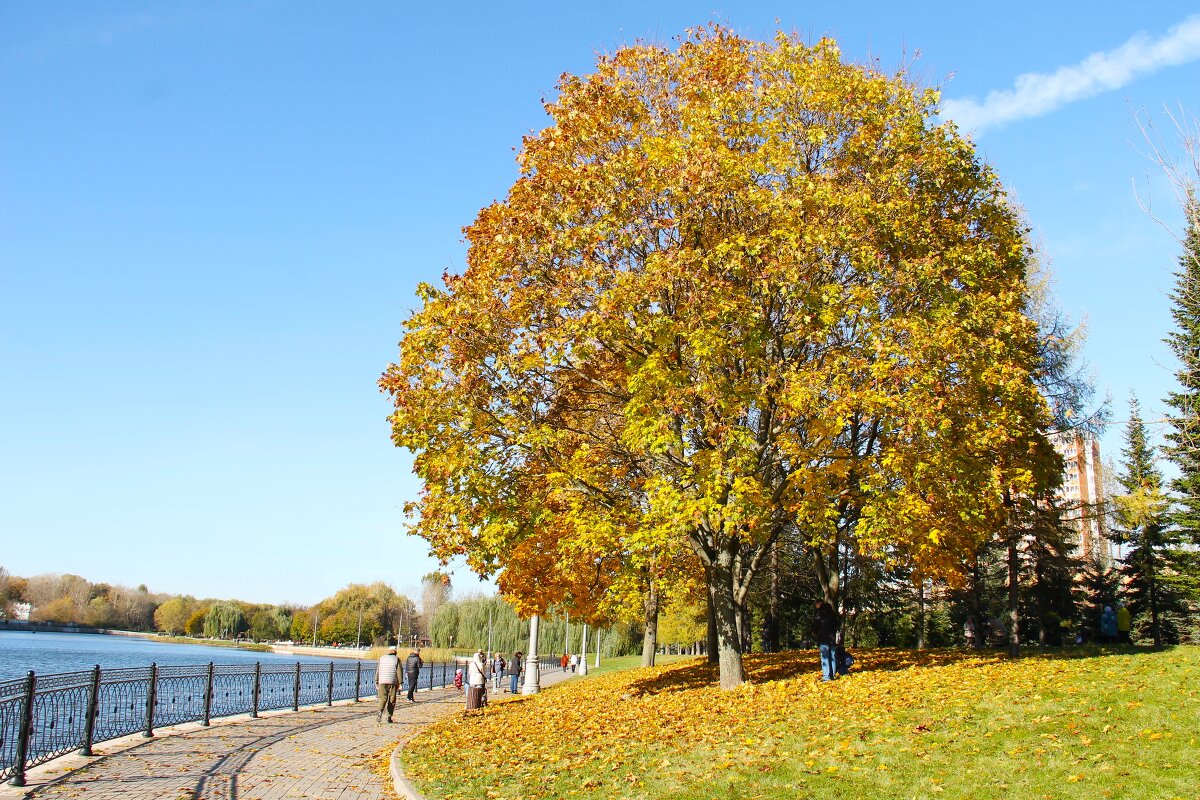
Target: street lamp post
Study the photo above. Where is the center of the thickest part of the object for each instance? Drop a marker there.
(583, 652)
(532, 682)
(597, 648)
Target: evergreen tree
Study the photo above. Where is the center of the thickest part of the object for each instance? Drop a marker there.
(1143, 519)
(1099, 586)
(1049, 548)
(1183, 441)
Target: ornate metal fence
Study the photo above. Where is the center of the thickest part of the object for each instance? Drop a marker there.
(46, 716)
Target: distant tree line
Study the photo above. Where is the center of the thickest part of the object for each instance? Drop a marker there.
(370, 614)
(70, 598)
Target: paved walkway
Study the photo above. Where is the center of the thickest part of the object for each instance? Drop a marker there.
(328, 753)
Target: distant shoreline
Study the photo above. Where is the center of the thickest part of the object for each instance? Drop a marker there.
(22, 626)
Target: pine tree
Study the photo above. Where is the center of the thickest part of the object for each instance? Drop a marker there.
(1099, 586)
(1049, 600)
(1183, 441)
(1143, 522)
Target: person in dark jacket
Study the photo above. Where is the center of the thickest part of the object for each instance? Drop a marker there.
(412, 670)
(825, 625)
(514, 669)
(1108, 625)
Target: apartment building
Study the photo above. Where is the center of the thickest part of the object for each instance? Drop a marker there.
(1082, 492)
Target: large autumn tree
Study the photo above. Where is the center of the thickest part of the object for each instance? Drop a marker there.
(738, 288)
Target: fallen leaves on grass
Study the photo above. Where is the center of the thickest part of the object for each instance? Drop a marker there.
(606, 734)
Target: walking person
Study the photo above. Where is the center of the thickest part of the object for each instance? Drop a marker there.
(574, 662)
(1108, 625)
(412, 670)
(514, 669)
(498, 671)
(476, 680)
(564, 661)
(385, 682)
(1123, 624)
(825, 626)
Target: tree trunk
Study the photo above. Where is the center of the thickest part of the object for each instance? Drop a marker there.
(828, 580)
(650, 637)
(977, 601)
(770, 640)
(1040, 582)
(1014, 617)
(920, 613)
(1155, 630)
(711, 644)
(729, 645)
(745, 620)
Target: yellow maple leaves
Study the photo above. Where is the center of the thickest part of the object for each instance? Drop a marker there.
(905, 717)
(737, 286)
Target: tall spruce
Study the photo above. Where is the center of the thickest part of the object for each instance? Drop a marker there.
(1183, 440)
(1142, 522)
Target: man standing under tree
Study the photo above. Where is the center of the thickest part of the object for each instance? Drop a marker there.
(825, 625)
(385, 680)
(412, 669)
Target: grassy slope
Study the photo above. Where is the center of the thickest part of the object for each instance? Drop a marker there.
(1078, 724)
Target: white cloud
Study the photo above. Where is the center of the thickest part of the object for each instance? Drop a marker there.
(1036, 93)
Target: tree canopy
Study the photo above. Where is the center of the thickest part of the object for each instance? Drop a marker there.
(737, 287)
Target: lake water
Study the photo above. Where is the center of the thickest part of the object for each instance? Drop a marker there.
(46, 653)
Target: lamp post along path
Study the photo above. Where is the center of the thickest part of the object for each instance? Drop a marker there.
(531, 684)
(583, 652)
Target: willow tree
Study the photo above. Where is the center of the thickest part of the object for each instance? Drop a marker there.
(738, 287)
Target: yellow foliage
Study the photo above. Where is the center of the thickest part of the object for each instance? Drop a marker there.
(737, 285)
(670, 727)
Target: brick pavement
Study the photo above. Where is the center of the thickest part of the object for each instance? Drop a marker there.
(324, 753)
(328, 753)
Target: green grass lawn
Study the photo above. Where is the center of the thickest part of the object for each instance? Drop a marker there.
(622, 663)
(1081, 723)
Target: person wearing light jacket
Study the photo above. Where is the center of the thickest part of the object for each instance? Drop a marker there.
(476, 681)
(385, 681)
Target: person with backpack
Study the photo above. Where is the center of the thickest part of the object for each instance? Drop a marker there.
(825, 626)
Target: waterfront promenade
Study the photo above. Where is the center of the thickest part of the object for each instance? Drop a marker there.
(329, 753)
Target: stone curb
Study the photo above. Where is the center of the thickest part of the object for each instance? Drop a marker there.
(399, 782)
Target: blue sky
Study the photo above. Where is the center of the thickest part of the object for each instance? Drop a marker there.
(213, 217)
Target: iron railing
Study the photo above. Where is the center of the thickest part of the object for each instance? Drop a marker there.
(46, 716)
